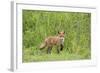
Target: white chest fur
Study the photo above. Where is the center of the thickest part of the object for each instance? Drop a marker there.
(62, 40)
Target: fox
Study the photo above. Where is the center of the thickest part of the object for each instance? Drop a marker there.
(52, 41)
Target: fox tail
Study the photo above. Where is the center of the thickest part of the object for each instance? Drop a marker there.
(43, 45)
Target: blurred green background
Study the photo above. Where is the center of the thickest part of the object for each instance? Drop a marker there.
(37, 25)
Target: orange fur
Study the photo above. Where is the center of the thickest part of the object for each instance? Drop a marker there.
(50, 41)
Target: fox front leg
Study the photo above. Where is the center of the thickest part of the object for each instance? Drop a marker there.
(61, 47)
(58, 49)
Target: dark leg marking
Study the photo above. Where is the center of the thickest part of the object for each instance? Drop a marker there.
(58, 50)
(49, 50)
(61, 47)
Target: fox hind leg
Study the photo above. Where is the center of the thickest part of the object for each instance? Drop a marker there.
(49, 50)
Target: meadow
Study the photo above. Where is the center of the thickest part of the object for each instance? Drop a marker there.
(37, 25)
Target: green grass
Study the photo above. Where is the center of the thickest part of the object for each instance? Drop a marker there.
(31, 57)
(37, 25)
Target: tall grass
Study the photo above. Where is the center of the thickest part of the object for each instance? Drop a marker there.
(37, 25)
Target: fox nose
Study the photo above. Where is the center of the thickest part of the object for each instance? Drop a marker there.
(62, 36)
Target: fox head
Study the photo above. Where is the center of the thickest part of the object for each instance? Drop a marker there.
(61, 34)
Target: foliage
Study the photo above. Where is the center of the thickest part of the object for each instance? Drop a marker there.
(37, 25)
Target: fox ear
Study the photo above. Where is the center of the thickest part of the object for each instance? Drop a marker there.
(58, 32)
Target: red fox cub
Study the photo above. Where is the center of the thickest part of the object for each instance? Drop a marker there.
(50, 41)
